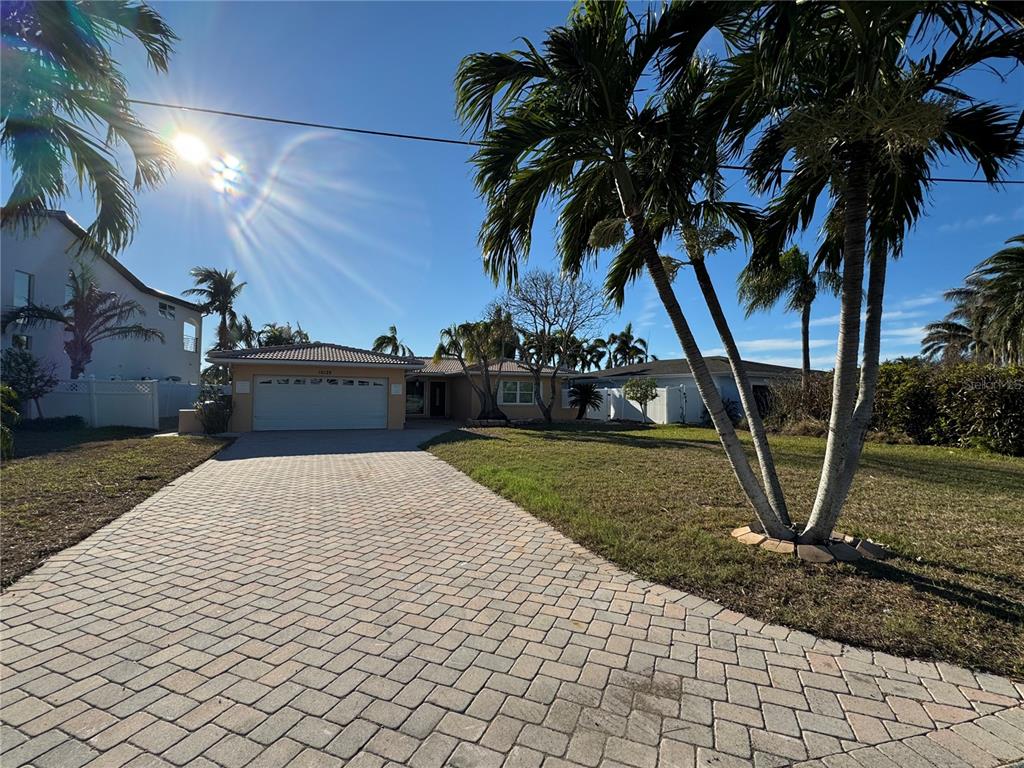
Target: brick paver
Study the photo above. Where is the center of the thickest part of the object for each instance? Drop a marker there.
(342, 598)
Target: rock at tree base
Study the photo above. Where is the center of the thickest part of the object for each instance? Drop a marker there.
(779, 546)
(814, 553)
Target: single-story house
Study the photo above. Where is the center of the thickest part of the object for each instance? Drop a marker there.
(329, 386)
(675, 376)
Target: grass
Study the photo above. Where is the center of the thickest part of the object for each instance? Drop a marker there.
(63, 485)
(661, 502)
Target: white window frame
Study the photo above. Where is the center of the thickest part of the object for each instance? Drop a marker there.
(519, 393)
(189, 336)
(165, 309)
(29, 297)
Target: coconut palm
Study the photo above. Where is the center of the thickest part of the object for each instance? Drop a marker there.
(842, 90)
(65, 105)
(584, 396)
(795, 278)
(625, 348)
(281, 335)
(390, 343)
(89, 317)
(217, 291)
(576, 120)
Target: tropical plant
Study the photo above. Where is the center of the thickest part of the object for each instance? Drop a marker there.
(29, 378)
(281, 335)
(625, 348)
(65, 105)
(213, 409)
(795, 278)
(591, 354)
(244, 334)
(481, 344)
(89, 317)
(584, 396)
(9, 416)
(217, 291)
(578, 120)
(859, 98)
(391, 344)
(547, 312)
(641, 390)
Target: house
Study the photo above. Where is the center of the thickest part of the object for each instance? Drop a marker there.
(35, 265)
(329, 386)
(682, 402)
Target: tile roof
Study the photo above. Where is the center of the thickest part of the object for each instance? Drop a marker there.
(450, 366)
(676, 367)
(315, 352)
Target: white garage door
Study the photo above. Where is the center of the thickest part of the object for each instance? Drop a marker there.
(316, 402)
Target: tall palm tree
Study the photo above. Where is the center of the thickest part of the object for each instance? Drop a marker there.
(65, 105)
(89, 317)
(795, 278)
(218, 291)
(390, 343)
(1002, 277)
(244, 333)
(949, 341)
(574, 119)
(625, 348)
(281, 335)
(844, 91)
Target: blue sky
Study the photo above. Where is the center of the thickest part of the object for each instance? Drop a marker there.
(348, 234)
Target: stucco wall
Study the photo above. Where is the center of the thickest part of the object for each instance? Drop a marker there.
(47, 254)
(241, 416)
(466, 404)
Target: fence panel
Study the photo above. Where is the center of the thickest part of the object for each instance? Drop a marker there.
(106, 403)
(175, 395)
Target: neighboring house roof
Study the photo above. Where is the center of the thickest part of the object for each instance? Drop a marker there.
(315, 352)
(79, 231)
(679, 367)
(450, 366)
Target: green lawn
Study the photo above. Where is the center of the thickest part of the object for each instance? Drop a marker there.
(661, 501)
(63, 485)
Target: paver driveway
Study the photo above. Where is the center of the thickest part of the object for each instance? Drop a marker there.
(327, 598)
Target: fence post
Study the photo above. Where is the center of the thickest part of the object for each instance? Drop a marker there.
(154, 392)
(93, 409)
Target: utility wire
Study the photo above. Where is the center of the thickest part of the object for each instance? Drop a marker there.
(439, 139)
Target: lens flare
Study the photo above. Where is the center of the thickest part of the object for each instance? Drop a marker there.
(191, 148)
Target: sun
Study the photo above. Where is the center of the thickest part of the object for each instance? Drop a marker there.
(191, 148)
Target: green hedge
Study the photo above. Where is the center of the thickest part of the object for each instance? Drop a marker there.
(963, 405)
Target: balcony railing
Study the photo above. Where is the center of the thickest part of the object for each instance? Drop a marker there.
(190, 343)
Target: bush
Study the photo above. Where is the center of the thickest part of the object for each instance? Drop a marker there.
(789, 403)
(52, 424)
(733, 409)
(981, 405)
(9, 416)
(30, 378)
(905, 400)
(213, 409)
(642, 391)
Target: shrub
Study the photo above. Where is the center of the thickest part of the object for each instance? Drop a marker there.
(213, 409)
(642, 391)
(27, 376)
(789, 403)
(905, 400)
(9, 416)
(981, 405)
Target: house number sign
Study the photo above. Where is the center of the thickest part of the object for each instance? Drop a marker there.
(324, 372)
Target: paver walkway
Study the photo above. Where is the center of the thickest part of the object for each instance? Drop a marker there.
(323, 599)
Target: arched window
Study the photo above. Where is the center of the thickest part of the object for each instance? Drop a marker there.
(190, 336)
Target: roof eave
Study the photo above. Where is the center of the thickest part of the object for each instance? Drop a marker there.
(214, 360)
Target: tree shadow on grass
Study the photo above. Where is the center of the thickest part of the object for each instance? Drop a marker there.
(30, 443)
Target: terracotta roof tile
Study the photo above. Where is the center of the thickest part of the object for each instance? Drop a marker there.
(316, 352)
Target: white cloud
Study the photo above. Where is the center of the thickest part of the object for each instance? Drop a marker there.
(977, 222)
(888, 314)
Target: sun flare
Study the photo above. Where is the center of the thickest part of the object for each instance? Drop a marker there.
(191, 148)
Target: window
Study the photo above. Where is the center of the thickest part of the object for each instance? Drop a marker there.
(23, 288)
(298, 381)
(516, 393)
(189, 337)
(21, 341)
(165, 310)
(414, 400)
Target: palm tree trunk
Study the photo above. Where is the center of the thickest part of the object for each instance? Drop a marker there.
(805, 343)
(766, 515)
(844, 386)
(868, 377)
(769, 474)
(223, 334)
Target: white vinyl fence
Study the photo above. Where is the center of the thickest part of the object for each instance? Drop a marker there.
(679, 404)
(176, 395)
(106, 403)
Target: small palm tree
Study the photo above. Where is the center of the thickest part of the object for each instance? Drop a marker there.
(390, 343)
(275, 335)
(795, 278)
(244, 333)
(60, 87)
(218, 291)
(584, 396)
(89, 317)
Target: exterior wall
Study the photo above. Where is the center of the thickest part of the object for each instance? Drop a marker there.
(47, 254)
(468, 404)
(241, 416)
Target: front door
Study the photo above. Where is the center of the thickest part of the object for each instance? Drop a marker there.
(437, 396)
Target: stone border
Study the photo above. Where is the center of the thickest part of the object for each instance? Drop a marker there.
(841, 548)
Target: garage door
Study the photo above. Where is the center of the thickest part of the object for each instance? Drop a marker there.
(314, 402)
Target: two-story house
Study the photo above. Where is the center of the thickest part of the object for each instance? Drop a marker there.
(34, 268)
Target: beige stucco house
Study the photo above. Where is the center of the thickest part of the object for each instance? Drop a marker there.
(329, 386)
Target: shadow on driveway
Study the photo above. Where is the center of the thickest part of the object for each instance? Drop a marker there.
(329, 442)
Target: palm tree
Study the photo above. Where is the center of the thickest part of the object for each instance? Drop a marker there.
(949, 341)
(576, 120)
(276, 335)
(390, 343)
(840, 89)
(481, 344)
(593, 354)
(65, 105)
(584, 396)
(89, 317)
(1002, 278)
(218, 290)
(244, 333)
(797, 279)
(625, 348)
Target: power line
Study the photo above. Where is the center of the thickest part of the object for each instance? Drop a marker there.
(437, 139)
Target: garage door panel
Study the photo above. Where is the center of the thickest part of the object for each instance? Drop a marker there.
(313, 402)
